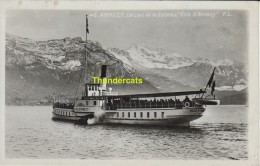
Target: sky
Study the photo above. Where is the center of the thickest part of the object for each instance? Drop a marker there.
(192, 33)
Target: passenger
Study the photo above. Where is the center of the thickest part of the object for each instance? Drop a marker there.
(178, 103)
(187, 100)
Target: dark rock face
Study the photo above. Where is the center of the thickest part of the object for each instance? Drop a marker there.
(36, 69)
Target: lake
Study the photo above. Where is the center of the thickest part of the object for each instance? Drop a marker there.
(220, 134)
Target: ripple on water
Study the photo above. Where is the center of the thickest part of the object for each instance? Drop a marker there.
(41, 137)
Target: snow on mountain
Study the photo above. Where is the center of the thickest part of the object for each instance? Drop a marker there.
(186, 71)
(231, 88)
(224, 62)
(123, 56)
(219, 62)
(36, 69)
(145, 57)
(49, 64)
(71, 65)
(53, 58)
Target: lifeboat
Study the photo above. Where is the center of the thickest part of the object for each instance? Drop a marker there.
(205, 101)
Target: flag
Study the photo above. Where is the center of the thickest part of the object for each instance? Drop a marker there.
(87, 24)
(213, 87)
(211, 78)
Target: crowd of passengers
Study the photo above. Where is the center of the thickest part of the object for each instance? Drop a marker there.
(135, 104)
(162, 103)
(67, 104)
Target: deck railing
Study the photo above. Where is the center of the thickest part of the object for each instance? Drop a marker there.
(148, 105)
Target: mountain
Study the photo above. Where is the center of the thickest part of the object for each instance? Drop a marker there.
(197, 74)
(186, 71)
(145, 57)
(233, 97)
(174, 71)
(36, 69)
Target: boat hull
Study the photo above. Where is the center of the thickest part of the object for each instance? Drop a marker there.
(138, 116)
(69, 115)
(158, 117)
(175, 121)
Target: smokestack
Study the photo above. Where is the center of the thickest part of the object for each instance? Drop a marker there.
(103, 76)
(103, 71)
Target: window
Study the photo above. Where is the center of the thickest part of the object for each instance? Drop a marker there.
(128, 114)
(141, 115)
(135, 114)
(155, 114)
(123, 114)
(95, 102)
(117, 114)
(148, 114)
(89, 88)
(162, 114)
(86, 102)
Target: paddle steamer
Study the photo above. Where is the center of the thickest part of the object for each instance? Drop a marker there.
(105, 106)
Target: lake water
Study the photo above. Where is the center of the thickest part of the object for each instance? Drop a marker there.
(220, 134)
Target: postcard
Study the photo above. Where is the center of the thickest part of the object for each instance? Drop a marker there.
(129, 82)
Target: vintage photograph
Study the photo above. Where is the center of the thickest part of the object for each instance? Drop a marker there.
(127, 84)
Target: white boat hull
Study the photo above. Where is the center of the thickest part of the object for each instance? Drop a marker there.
(138, 116)
(164, 117)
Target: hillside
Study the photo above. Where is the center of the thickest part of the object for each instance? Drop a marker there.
(37, 69)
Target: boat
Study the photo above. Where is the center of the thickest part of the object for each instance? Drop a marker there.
(99, 103)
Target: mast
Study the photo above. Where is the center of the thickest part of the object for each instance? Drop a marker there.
(84, 71)
(86, 52)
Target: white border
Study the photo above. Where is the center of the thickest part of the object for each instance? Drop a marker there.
(253, 132)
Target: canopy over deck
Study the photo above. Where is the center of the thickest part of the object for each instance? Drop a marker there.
(183, 93)
(161, 94)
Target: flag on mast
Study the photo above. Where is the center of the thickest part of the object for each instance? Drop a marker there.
(87, 24)
(213, 87)
(211, 78)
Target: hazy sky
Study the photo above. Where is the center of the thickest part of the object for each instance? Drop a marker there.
(211, 34)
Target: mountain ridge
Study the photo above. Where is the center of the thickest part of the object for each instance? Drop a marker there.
(48, 65)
